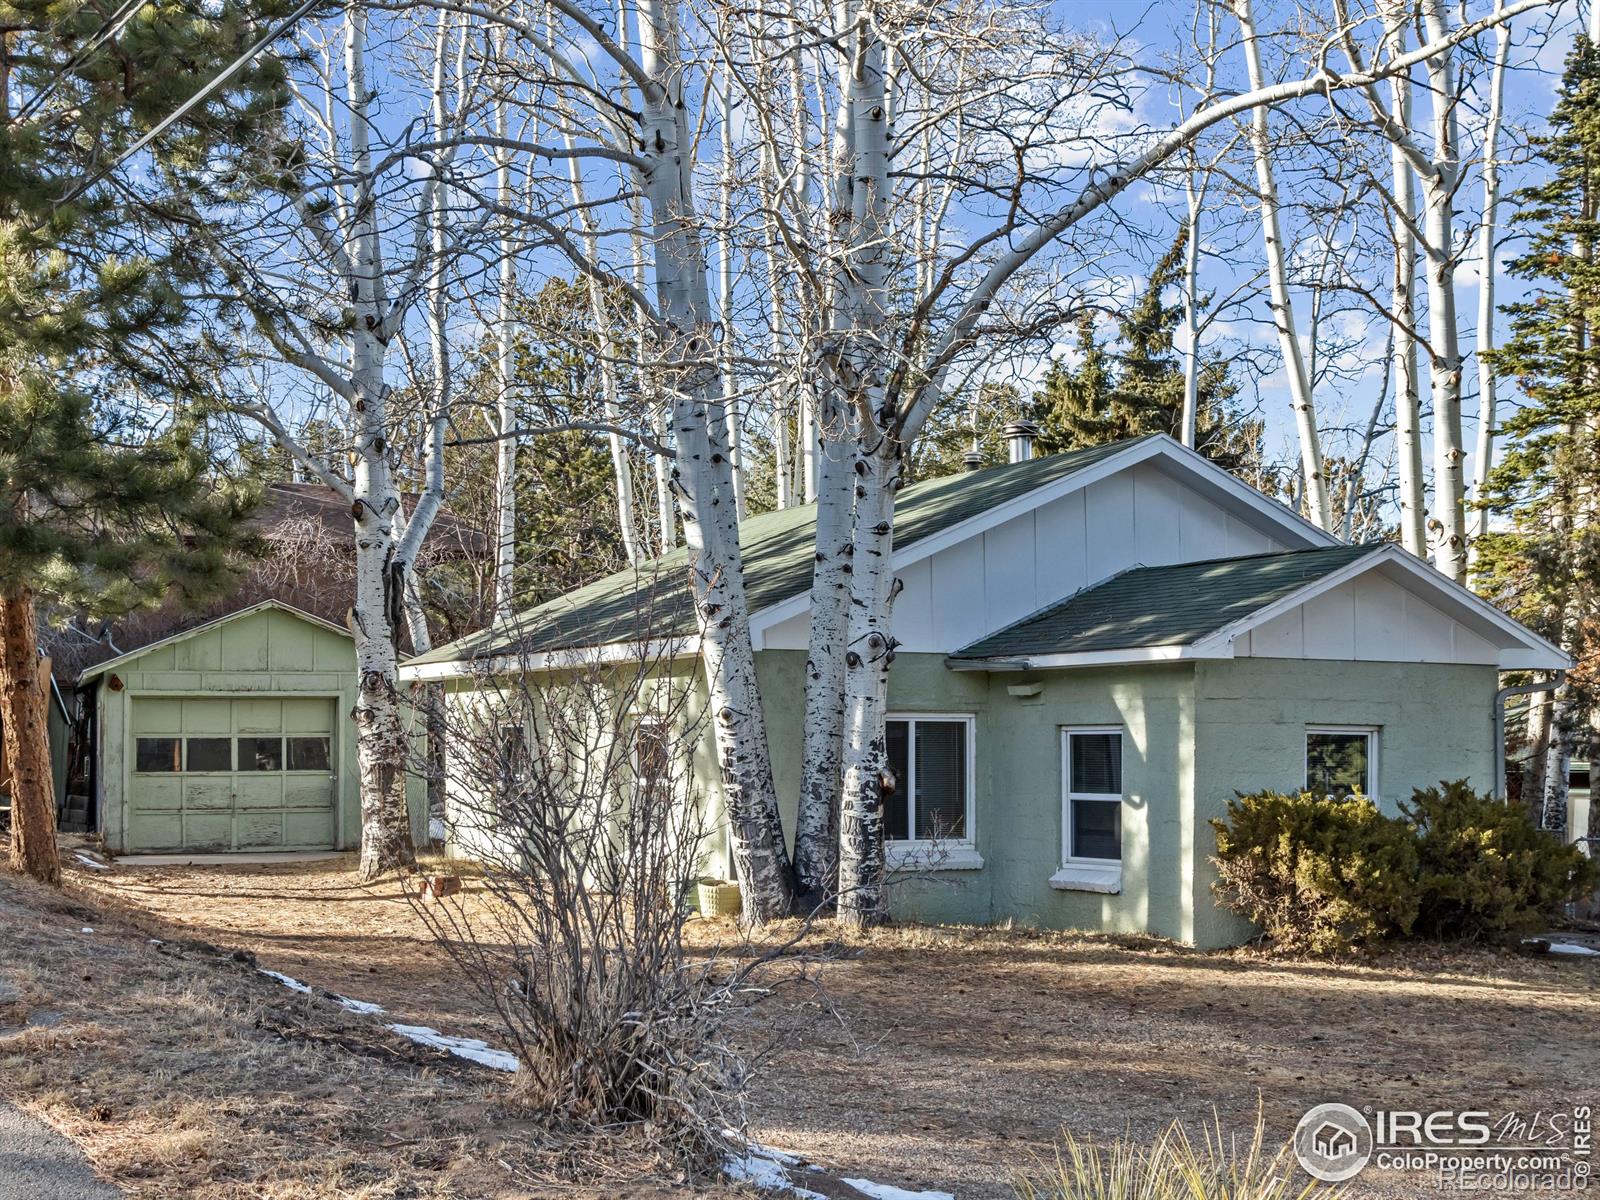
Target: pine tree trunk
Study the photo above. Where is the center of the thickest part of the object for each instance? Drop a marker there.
(24, 717)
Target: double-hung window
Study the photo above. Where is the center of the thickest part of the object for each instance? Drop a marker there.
(1341, 761)
(930, 810)
(1091, 810)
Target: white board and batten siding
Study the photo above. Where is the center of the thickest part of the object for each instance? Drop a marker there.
(1371, 618)
(1142, 516)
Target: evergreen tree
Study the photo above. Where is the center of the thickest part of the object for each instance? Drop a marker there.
(107, 498)
(1135, 386)
(1541, 558)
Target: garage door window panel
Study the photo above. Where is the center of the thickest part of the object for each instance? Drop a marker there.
(261, 754)
(156, 755)
(310, 754)
(208, 754)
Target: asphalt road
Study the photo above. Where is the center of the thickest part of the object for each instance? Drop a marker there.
(37, 1163)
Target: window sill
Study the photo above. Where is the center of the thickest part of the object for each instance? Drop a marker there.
(932, 856)
(1089, 877)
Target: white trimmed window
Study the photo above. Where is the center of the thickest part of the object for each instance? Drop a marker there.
(929, 815)
(1341, 760)
(1091, 769)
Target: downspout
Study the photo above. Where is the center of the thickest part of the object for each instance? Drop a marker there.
(1500, 698)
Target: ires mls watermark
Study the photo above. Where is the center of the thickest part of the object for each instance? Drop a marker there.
(1462, 1150)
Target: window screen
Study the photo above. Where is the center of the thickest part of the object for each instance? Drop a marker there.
(155, 754)
(208, 754)
(941, 779)
(929, 762)
(309, 753)
(1097, 828)
(260, 754)
(1338, 763)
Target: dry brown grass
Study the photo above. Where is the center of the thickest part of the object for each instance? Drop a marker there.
(182, 1072)
(953, 1057)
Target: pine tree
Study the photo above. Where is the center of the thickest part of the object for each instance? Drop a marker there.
(1540, 558)
(107, 497)
(1135, 387)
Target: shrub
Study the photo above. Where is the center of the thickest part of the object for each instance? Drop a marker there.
(1174, 1168)
(1485, 868)
(1319, 875)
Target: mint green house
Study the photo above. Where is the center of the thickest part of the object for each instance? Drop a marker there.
(233, 735)
(1097, 650)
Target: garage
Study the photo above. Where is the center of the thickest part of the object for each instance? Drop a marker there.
(235, 774)
(232, 736)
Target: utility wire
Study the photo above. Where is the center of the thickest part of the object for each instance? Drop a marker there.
(114, 24)
(178, 114)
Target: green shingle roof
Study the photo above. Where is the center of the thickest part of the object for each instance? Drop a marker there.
(653, 600)
(1162, 606)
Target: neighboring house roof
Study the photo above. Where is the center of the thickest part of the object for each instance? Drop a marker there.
(122, 659)
(1196, 610)
(1162, 606)
(652, 603)
(285, 502)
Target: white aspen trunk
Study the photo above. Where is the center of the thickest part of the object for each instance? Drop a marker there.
(860, 292)
(610, 389)
(661, 469)
(725, 356)
(1407, 399)
(380, 731)
(1191, 312)
(705, 480)
(816, 836)
(1483, 459)
(862, 867)
(505, 495)
(1558, 763)
(1297, 378)
(1444, 364)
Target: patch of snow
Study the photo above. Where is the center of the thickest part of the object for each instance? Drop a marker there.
(85, 929)
(286, 980)
(883, 1191)
(471, 1049)
(155, 942)
(767, 1174)
(91, 863)
(1570, 948)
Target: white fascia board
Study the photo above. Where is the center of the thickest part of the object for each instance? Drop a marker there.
(664, 650)
(1196, 466)
(1091, 658)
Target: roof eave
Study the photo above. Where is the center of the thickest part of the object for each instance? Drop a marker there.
(1120, 657)
(566, 659)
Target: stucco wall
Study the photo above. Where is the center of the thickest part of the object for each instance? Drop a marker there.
(1434, 721)
(1195, 734)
